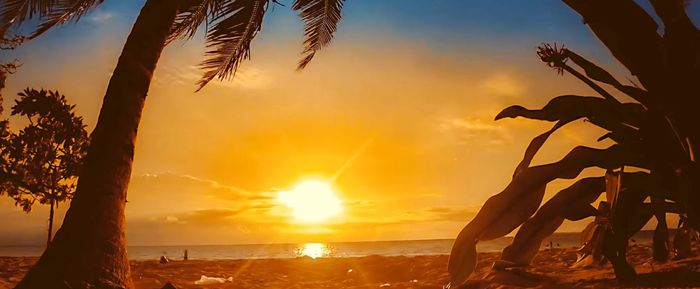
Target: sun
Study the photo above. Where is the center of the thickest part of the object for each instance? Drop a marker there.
(311, 201)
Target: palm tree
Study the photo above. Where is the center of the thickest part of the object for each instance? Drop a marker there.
(89, 250)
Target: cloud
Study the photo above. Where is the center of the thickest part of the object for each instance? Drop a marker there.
(451, 214)
(475, 131)
(246, 78)
(424, 215)
(204, 217)
(502, 84)
(215, 188)
(181, 198)
(100, 17)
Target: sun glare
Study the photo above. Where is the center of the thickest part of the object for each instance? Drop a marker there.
(311, 201)
(314, 250)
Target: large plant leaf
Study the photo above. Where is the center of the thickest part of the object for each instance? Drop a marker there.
(572, 107)
(682, 41)
(629, 212)
(535, 145)
(321, 18)
(570, 203)
(630, 34)
(573, 203)
(567, 108)
(507, 210)
(597, 73)
(591, 251)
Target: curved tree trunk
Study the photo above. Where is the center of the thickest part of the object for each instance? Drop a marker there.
(89, 250)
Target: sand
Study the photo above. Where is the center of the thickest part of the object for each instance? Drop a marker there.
(548, 270)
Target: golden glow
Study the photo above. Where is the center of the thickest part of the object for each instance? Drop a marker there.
(314, 250)
(311, 201)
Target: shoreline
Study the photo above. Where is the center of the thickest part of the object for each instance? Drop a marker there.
(550, 269)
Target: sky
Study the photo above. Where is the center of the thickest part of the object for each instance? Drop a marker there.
(397, 112)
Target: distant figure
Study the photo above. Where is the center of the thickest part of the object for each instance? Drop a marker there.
(558, 245)
(551, 246)
(164, 260)
(185, 257)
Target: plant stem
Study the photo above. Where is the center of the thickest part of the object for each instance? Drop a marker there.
(590, 83)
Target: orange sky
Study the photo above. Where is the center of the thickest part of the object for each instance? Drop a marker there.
(418, 117)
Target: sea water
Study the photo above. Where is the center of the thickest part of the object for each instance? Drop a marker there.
(338, 249)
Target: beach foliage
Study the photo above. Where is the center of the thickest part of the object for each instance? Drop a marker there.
(40, 163)
(9, 67)
(650, 168)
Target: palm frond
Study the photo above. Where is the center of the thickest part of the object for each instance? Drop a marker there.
(14, 12)
(191, 15)
(62, 11)
(321, 18)
(230, 30)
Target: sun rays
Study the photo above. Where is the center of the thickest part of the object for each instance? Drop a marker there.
(311, 201)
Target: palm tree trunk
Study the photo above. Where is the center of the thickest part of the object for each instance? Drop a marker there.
(48, 240)
(89, 250)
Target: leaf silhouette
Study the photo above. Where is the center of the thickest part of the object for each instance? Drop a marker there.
(232, 29)
(191, 15)
(592, 238)
(597, 73)
(681, 40)
(535, 145)
(321, 18)
(62, 11)
(14, 12)
(572, 203)
(567, 108)
(507, 210)
(632, 39)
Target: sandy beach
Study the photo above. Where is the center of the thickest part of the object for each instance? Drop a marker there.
(550, 269)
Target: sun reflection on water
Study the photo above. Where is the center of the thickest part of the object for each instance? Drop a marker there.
(314, 250)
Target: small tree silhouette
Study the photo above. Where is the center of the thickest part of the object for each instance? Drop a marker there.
(41, 161)
(9, 67)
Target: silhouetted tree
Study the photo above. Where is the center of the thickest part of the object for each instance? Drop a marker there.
(44, 157)
(658, 132)
(8, 67)
(89, 249)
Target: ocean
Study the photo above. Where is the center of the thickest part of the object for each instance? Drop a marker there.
(315, 250)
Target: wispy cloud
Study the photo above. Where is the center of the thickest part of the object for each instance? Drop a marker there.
(246, 77)
(100, 17)
(234, 193)
(475, 130)
(502, 84)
